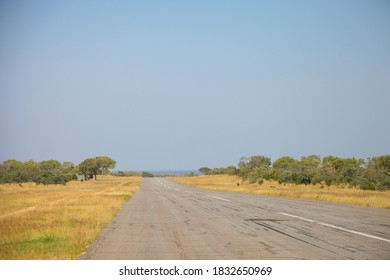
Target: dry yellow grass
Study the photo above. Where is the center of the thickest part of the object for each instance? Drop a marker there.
(340, 194)
(56, 221)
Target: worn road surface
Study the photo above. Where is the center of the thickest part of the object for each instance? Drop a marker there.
(168, 220)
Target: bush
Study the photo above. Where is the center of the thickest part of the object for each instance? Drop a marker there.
(44, 172)
(371, 174)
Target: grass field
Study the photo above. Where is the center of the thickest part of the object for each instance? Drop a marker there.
(56, 221)
(340, 194)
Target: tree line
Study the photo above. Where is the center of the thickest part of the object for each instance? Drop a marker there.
(52, 171)
(373, 173)
(133, 173)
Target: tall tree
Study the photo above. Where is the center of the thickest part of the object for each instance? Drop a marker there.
(254, 168)
(89, 166)
(105, 163)
(286, 169)
(309, 170)
(378, 173)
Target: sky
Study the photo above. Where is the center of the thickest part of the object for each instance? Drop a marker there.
(173, 85)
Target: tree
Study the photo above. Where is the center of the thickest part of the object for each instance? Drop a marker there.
(254, 168)
(89, 166)
(31, 172)
(14, 171)
(352, 171)
(231, 170)
(51, 172)
(93, 165)
(105, 163)
(205, 170)
(285, 169)
(44, 172)
(258, 162)
(11, 169)
(309, 171)
(284, 163)
(329, 169)
(343, 170)
(378, 173)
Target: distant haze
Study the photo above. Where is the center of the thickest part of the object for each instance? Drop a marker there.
(172, 172)
(177, 85)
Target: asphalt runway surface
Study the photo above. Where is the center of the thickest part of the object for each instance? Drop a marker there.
(168, 220)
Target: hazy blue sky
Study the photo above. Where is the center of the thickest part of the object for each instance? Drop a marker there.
(185, 84)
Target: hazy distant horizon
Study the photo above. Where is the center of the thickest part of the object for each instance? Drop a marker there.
(183, 171)
(170, 172)
(181, 85)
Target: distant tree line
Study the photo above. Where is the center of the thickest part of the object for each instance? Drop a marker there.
(133, 173)
(373, 173)
(52, 171)
(230, 170)
(126, 173)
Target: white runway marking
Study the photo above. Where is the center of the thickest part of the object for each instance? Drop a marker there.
(216, 197)
(337, 227)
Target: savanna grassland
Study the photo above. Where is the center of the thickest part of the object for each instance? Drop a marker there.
(58, 221)
(339, 193)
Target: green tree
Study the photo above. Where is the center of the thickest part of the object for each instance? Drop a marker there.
(231, 170)
(205, 170)
(31, 171)
(378, 173)
(69, 170)
(51, 172)
(45, 172)
(284, 163)
(254, 168)
(285, 169)
(309, 170)
(14, 171)
(329, 169)
(89, 167)
(337, 170)
(93, 165)
(353, 171)
(105, 163)
(11, 170)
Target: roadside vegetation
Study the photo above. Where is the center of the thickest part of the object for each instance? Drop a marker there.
(370, 174)
(58, 221)
(334, 179)
(334, 193)
(52, 171)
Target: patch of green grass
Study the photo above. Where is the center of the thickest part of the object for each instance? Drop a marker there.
(31, 247)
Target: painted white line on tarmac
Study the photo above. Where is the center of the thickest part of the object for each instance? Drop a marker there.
(216, 197)
(337, 227)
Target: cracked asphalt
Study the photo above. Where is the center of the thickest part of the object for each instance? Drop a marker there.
(168, 220)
